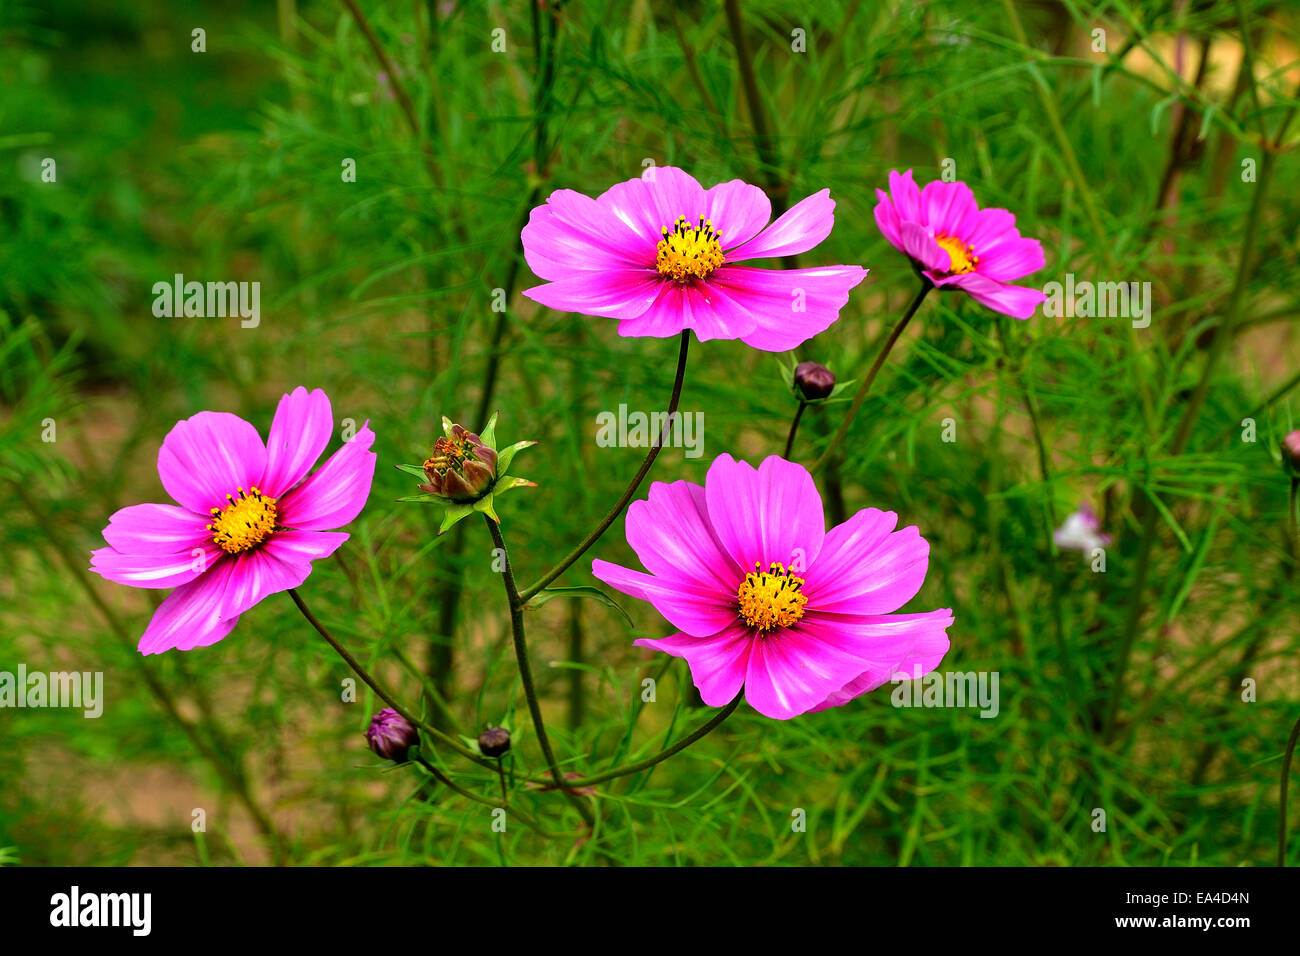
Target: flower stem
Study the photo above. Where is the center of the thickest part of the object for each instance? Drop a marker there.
(519, 815)
(1286, 780)
(526, 671)
(838, 438)
(794, 429)
(383, 695)
(703, 731)
(631, 489)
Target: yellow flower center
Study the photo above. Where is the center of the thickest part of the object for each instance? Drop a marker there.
(449, 453)
(962, 256)
(689, 251)
(772, 598)
(244, 523)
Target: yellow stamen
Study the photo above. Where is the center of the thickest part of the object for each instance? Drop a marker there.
(244, 523)
(689, 251)
(772, 598)
(962, 255)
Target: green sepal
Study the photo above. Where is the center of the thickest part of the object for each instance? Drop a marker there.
(507, 483)
(454, 513)
(484, 506)
(506, 455)
(415, 471)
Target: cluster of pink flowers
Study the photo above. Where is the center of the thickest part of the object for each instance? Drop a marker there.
(764, 599)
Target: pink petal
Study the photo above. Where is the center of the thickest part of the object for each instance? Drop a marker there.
(209, 456)
(1011, 259)
(700, 306)
(617, 293)
(927, 643)
(694, 607)
(772, 514)
(793, 670)
(802, 227)
(887, 220)
(921, 246)
(671, 535)
(718, 662)
(655, 200)
(574, 233)
(299, 433)
(156, 529)
(789, 306)
(337, 492)
(189, 617)
(1013, 300)
(153, 570)
(737, 210)
(906, 196)
(944, 206)
(864, 569)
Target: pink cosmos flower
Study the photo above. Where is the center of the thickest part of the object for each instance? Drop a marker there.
(249, 522)
(766, 598)
(957, 245)
(659, 254)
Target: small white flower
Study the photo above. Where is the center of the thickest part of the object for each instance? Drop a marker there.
(1081, 532)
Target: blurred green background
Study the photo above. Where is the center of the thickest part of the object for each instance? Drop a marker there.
(227, 165)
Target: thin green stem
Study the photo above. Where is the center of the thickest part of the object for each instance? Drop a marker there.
(451, 742)
(838, 438)
(631, 489)
(519, 815)
(794, 429)
(703, 731)
(1286, 780)
(516, 603)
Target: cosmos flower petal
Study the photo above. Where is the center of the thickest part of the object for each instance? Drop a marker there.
(796, 671)
(804, 225)
(927, 643)
(789, 306)
(153, 570)
(259, 573)
(718, 662)
(711, 312)
(337, 492)
(743, 210)
(655, 199)
(299, 433)
(189, 617)
(887, 220)
(865, 567)
(156, 529)
(693, 607)
(207, 457)
(919, 243)
(623, 293)
(945, 204)
(1012, 259)
(672, 537)
(765, 515)
(571, 233)
(1019, 302)
(906, 196)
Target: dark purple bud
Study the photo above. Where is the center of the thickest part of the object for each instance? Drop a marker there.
(391, 735)
(494, 741)
(813, 381)
(462, 467)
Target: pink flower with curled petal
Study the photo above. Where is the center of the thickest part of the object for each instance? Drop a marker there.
(957, 245)
(765, 598)
(660, 254)
(249, 522)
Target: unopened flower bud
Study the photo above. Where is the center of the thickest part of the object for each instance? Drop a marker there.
(1291, 451)
(494, 741)
(813, 381)
(461, 468)
(391, 735)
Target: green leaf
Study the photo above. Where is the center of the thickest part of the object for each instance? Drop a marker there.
(415, 471)
(541, 597)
